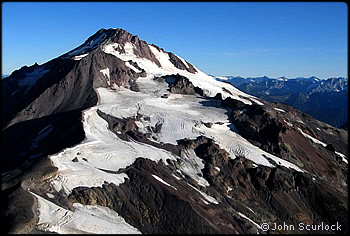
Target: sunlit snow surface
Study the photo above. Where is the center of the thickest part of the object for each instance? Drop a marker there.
(181, 116)
(79, 57)
(162, 181)
(210, 86)
(277, 109)
(84, 219)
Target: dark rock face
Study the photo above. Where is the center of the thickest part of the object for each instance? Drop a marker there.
(17, 99)
(181, 85)
(71, 90)
(276, 195)
(259, 126)
(119, 73)
(286, 194)
(39, 137)
(179, 64)
(154, 207)
(16, 207)
(141, 48)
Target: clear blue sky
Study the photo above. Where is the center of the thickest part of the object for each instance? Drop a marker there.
(229, 38)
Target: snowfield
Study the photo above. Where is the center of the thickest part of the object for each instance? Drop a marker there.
(181, 116)
(94, 161)
(84, 219)
(210, 86)
(237, 146)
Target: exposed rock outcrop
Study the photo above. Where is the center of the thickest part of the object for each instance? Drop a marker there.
(178, 63)
(127, 129)
(266, 190)
(154, 207)
(181, 85)
(281, 130)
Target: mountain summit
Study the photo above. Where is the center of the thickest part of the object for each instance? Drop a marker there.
(121, 136)
(119, 41)
(117, 55)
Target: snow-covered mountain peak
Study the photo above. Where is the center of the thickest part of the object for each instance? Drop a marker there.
(121, 136)
(152, 61)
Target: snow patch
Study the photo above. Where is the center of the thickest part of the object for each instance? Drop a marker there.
(162, 181)
(84, 219)
(178, 178)
(323, 144)
(342, 156)
(289, 124)
(132, 67)
(312, 138)
(86, 47)
(277, 109)
(256, 101)
(79, 57)
(183, 61)
(228, 189)
(106, 73)
(244, 110)
(206, 196)
(192, 166)
(236, 145)
(245, 217)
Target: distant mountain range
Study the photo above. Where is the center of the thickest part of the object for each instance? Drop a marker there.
(326, 100)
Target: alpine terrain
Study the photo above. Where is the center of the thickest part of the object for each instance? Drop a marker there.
(121, 136)
(326, 100)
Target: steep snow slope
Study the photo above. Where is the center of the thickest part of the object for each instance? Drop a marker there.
(84, 219)
(210, 86)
